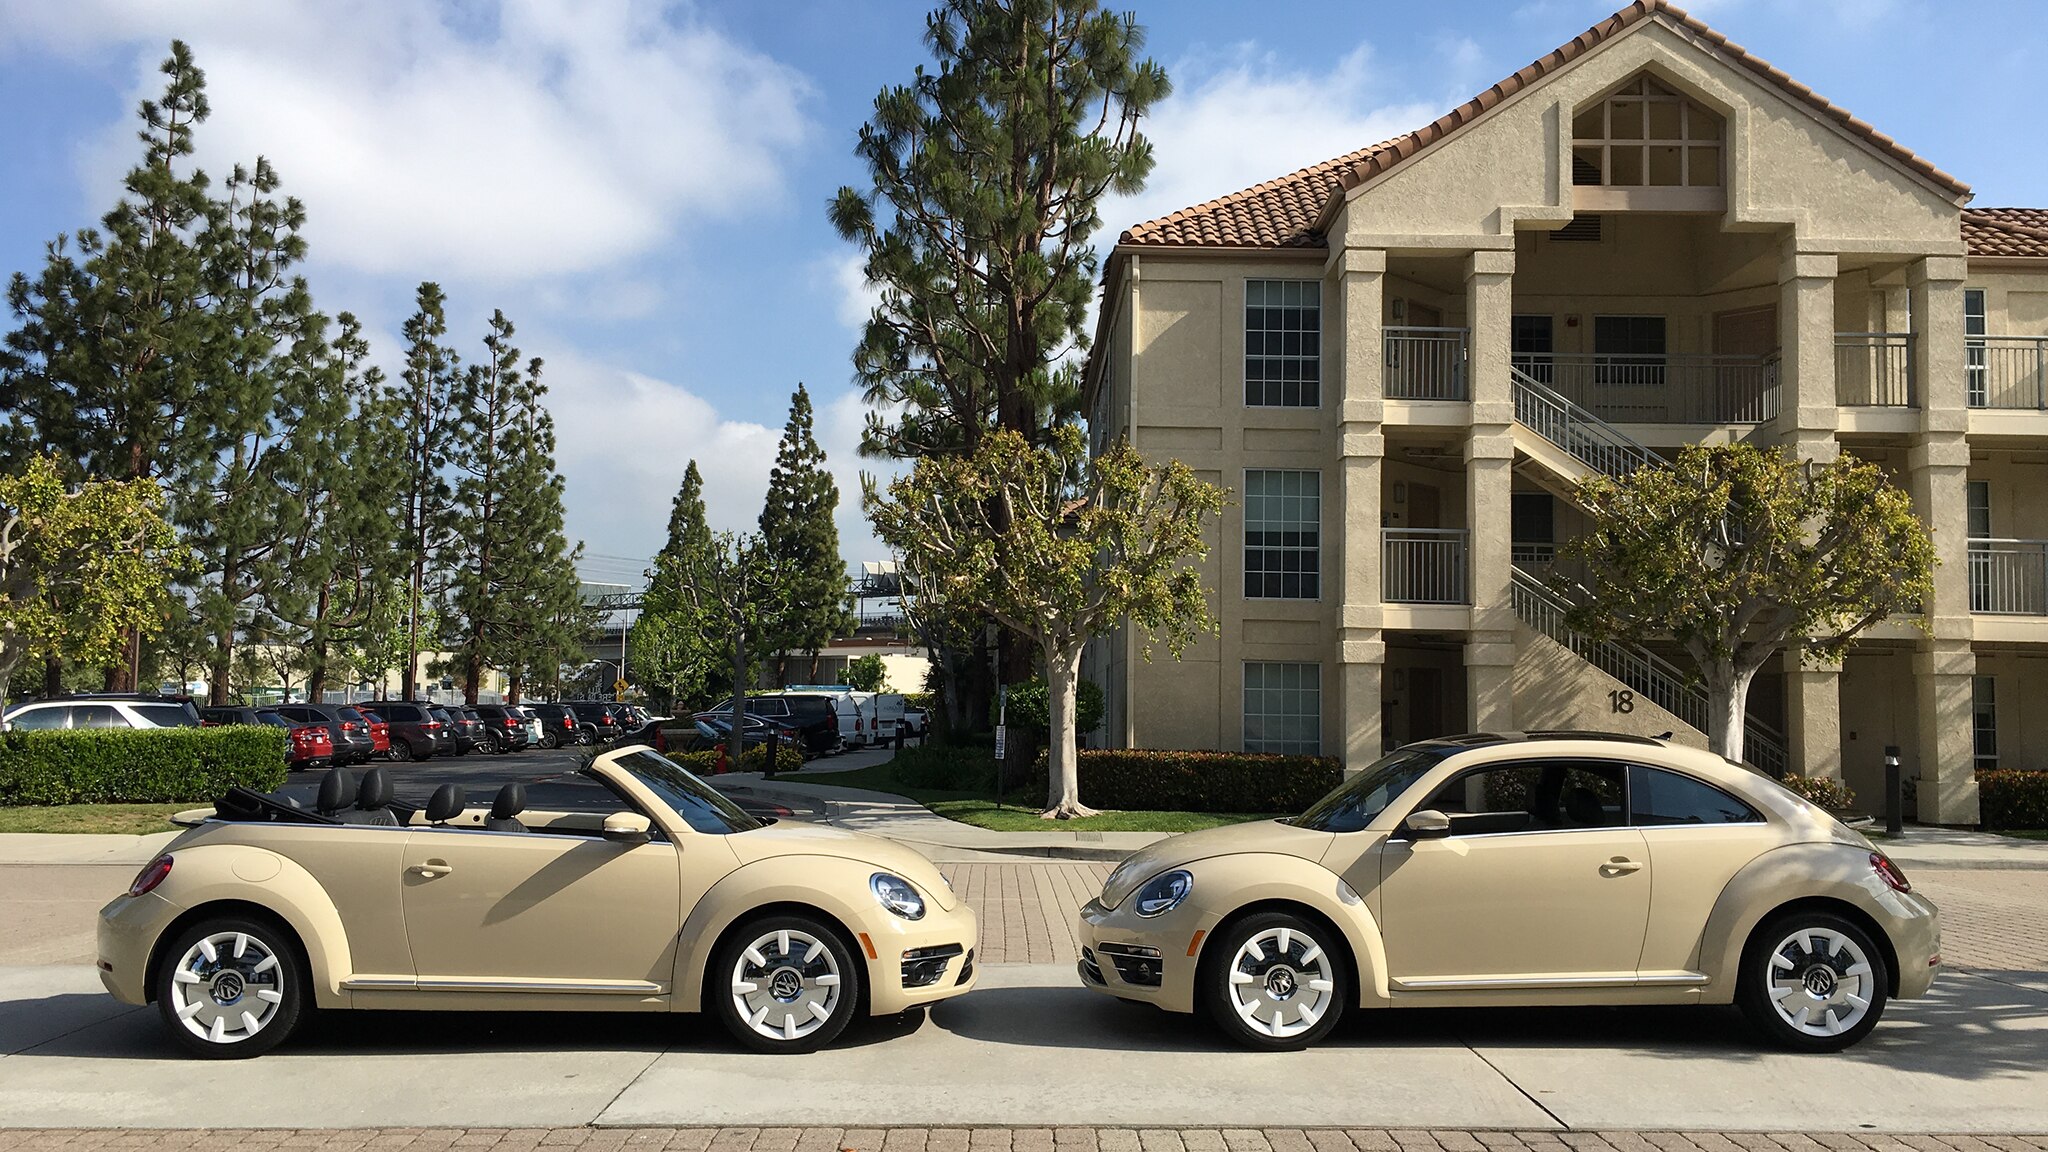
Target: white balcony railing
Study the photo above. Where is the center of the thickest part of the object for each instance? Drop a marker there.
(2009, 577)
(1425, 363)
(1424, 565)
(2007, 371)
(1875, 370)
(1660, 389)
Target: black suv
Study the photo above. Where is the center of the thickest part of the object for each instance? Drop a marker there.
(505, 727)
(599, 720)
(557, 724)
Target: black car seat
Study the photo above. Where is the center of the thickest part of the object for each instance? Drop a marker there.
(373, 802)
(506, 808)
(446, 804)
(337, 788)
(1583, 808)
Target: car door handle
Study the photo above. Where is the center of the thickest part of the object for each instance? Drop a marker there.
(432, 868)
(1620, 866)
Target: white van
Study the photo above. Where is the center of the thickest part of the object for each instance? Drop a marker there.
(884, 714)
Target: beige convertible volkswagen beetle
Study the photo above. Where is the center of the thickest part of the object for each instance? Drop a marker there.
(1526, 869)
(653, 893)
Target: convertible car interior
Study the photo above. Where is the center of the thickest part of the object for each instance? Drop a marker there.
(370, 801)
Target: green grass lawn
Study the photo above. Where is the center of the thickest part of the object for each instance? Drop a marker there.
(1019, 812)
(122, 819)
(2025, 833)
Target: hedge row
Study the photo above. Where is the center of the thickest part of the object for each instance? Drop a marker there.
(138, 766)
(2013, 798)
(704, 763)
(1177, 781)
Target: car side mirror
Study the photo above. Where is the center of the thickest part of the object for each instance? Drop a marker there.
(1428, 824)
(627, 828)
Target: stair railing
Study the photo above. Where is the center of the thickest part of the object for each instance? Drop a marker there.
(1589, 439)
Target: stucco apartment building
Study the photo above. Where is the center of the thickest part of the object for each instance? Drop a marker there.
(1401, 360)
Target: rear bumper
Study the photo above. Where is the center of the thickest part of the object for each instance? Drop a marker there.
(128, 928)
(1914, 926)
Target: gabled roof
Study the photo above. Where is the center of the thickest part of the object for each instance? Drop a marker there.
(1290, 212)
(2006, 232)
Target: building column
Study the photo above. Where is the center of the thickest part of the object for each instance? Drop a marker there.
(1361, 645)
(1813, 718)
(1939, 466)
(1807, 404)
(1489, 492)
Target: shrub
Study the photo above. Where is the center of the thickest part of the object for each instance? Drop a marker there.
(2013, 798)
(945, 768)
(1819, 790)
(788, 758)
(1030, 707)
(1176, 781)
(138, 766)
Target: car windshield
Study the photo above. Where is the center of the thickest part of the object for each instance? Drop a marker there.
(703, 809)
(167, 715)
(1354, 803)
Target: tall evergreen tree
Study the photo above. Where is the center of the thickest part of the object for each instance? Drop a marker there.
(107, 362)
(675, 651)
(802, 542)
(422, 398)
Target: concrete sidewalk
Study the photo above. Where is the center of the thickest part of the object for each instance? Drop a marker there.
(84, 848)
(1940, 848)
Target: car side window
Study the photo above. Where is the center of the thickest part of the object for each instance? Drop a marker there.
(1657, 798)
(37, 719)
(97, 716)
(1532, 796)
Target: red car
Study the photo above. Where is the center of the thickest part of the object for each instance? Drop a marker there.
(380, 734)
(311, 747)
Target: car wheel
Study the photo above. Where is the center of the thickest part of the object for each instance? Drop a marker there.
(1812, 982)
(784, 984)
(231, 987)
(1275, 983)
(549, 742)
(401, 750)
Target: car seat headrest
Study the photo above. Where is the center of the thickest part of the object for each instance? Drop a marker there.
(375, 792)
(337, 788)
(510, 802)
(446, 803)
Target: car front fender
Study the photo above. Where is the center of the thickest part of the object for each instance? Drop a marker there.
(1228, 885)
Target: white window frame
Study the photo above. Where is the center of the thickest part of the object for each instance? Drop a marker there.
(1983, 706)
(1315, 550)
(1314, 715)
(1316, 360)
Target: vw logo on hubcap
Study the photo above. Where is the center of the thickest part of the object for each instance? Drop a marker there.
(1280, 983)
(1820, 981)
(227, 987)
(786, 984)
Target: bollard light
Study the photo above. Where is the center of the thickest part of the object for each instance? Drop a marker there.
(1894, 793)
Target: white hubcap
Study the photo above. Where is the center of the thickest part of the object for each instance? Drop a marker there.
(1282, 982)
(786, 985)
(226, 988)
(1820, 981)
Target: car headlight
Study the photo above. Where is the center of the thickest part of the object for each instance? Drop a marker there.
(1164, 892)
(896, 894)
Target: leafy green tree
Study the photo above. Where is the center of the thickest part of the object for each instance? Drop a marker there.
(1733, 552)
(984, 176)
(1030, 706)
(81, 568)
(802, 542)
(426, 501)
(674, 650)
(732, 587)
(1059, 547)
(865, 674)
(109, 359)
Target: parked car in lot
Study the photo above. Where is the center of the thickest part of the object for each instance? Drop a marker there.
(380, 734)
(708, 731)
(649, 891)
(308, 747)
(1532, 869)
(883, 712)
(597, 720)
(914, 722)
(534, 732)
(505, 727)
(813, 714)
(346, 726)
(415, 734)
(557, 724)
(468, 728)
(104, 711)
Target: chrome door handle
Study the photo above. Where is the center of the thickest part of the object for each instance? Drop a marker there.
(1620, 866)
(432, 868)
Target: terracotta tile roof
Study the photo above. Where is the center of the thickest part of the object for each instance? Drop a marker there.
(2006, 231)
(1289, 212)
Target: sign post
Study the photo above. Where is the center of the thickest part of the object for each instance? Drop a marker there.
(1002, 736)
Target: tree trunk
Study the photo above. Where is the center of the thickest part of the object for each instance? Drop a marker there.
(1727, 702)
(53, 677)
(734, 744)
(1063, 763)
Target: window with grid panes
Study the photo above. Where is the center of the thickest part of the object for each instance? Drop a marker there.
(1283, 708)
(1644, 135)
(1283, 517)
(1283, 343)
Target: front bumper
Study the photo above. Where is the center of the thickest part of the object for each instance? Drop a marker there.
(1122, 953)
(129, 927)
(918, 962)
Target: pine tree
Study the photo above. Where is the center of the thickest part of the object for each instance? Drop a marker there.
(422, 400)
(674, 650)
(801, 539)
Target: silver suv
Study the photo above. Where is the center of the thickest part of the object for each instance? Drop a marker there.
(103, 712)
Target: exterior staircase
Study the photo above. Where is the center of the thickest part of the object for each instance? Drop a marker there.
(1573, 443)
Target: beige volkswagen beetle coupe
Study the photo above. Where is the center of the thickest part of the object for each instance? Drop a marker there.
(652, 894)
(1523, 869)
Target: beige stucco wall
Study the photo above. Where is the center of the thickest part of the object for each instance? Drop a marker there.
(1879, 707)
(2015, 300)
(1556, 689)
(2021, 687)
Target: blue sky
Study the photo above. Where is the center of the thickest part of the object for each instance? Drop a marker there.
(641, 186)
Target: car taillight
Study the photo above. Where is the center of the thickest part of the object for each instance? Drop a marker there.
(1889, 872)
(568, 722)
(152, 874)
(348, 725)
(511, 722)
(433, 725)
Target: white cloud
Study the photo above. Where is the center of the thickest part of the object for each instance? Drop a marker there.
(1255, 117)
(515, 140)
(857, 297)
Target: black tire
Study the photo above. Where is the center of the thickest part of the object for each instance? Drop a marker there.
(550, 741)
(209, 998)
(1838, 965)
(1312, 953)
(838, 959)
(401, 750)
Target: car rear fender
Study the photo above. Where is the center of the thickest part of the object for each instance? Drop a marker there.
(1813, 871)
(1258, 881)
(206, 874)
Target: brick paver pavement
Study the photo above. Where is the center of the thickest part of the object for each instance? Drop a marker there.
(982, 1140)
(1027, 911)
(1990, 919)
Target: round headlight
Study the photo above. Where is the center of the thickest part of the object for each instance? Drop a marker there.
(896, 894)
(1164, 892)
